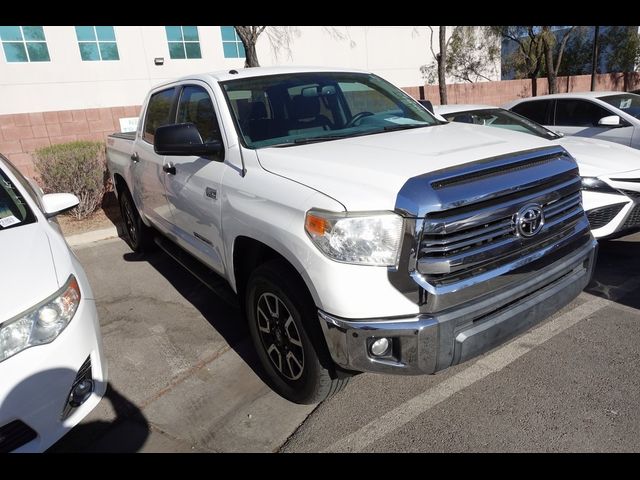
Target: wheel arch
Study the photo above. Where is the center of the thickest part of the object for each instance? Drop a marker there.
(249, 253)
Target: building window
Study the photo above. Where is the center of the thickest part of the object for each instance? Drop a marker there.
(97, 43)
(183, 42)
(231, 43)
(24, 44)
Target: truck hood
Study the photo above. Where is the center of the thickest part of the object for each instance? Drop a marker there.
(599, 157)
(366, 173)
(28, 273)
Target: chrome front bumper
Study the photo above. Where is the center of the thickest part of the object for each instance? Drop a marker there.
(429, 343)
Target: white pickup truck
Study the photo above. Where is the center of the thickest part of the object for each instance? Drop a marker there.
(359, 232)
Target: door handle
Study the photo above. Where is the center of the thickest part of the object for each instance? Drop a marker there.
(170, 169)
(134, 157)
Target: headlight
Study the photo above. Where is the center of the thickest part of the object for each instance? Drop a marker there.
(42, 323)
(594, 184)
(361, 238)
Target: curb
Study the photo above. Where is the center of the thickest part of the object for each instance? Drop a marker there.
(91, 237)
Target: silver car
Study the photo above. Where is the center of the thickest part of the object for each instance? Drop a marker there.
(612, 116)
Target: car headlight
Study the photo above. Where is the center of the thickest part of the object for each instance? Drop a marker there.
(594, 184)
(42, 323)
(367, 238)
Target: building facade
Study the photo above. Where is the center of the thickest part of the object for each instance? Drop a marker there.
(64, 83)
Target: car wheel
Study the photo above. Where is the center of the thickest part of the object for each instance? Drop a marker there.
(286, 333)
(138, 235)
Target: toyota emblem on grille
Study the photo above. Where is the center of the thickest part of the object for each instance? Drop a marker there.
(529, 220)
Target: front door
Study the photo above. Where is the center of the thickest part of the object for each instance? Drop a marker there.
(194, 190)
(580, 118)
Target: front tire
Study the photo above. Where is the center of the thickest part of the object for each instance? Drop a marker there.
(287, 336)
(138, 235)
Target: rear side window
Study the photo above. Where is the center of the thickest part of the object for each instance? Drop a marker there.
(196, 107)
(538, 110)
(158, 113)
(579, 113)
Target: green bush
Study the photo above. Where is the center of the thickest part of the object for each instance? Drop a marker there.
(76, 167)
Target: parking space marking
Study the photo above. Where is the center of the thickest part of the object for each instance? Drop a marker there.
(359, 440)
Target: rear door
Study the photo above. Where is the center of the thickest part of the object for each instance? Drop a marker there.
(149, 178)
(574, 116)
(540, 111)
(194, 190)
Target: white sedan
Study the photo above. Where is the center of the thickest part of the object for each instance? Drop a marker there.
(52, 369)
(612, 116)
(610, 172)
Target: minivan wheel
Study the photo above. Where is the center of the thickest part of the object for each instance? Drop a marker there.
(285, 331)
(138, 235)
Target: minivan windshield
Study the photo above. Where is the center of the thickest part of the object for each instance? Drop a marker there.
(14, 211)
(500, 118)
(294, 109)
(627, 102)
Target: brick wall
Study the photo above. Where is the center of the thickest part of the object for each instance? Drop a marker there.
(497, 93)
(22, 133)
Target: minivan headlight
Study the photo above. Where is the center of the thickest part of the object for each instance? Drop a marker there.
(365, 238)
(40, 324)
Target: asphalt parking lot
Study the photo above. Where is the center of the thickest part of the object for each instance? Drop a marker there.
(183, 376)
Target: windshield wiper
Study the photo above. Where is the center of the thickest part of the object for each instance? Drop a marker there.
(307, 140)
(393, 128)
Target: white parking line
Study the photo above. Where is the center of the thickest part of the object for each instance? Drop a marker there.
(404, 413)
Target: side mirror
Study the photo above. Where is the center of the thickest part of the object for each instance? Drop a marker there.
(183, 139)
(56, 203)
(610, 121)
(426, 104)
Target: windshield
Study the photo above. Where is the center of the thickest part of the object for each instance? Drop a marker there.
(290, 109)
(627, 102)
(14, 210)
(499, 118)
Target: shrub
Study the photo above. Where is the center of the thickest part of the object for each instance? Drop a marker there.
(76, 167)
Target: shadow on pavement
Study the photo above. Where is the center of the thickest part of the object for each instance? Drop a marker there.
(111, 209)
(226, 319)
(618, 262)
(128, 432)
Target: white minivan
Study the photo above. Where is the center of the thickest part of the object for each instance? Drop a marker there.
(52, 368)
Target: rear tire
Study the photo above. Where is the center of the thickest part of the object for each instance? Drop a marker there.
(137, 234)
(287, 336)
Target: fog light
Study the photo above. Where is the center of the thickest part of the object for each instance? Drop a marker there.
(380, 347)
(81, 392)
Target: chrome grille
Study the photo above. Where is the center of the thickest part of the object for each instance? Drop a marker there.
(461, 242)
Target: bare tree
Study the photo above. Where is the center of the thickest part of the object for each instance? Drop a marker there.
(594, 58)
(527, 59)
(279, 38)
(249, 37)
(553, 48)
(440, 63)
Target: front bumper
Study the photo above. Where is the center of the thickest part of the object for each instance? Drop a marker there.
(429, 343)
(36, 382)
